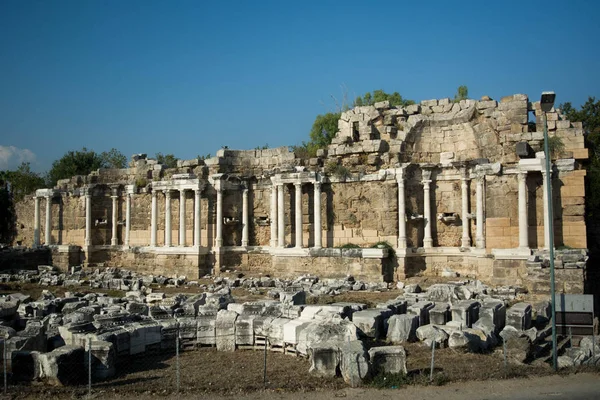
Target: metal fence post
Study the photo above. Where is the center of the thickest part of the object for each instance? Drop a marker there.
(177, 358)
(504, 352)
(4, 355)
(265, 364)
(432, 359)
(89, 365)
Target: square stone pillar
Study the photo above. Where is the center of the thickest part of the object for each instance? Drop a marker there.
(546, 206)
(154, 219)
(197, 217)
(401, 209)
(273, 212)
(426, 181)
(168, 228)
(479, 237)
(318, 231)
(182, 217)
(523, 227)
(280, 216)
(298, 214)
(464, 186)
(245, 217)
(219, 234)
(113, 238)
(48, 232)
(36, 222)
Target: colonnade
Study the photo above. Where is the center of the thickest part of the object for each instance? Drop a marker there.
(168, 193)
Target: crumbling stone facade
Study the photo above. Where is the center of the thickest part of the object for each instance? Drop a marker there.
(452, 187)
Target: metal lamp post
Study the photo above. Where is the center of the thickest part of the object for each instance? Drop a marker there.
(547, 102)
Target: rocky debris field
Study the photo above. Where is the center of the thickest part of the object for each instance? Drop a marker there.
(48, 338)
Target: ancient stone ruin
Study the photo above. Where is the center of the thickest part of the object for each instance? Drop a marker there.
(436, 188)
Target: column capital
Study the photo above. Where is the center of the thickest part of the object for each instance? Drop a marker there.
(297, 184)
(317, 185)
(426, 183)
(155, 192)
(168, 193)
(522, 175)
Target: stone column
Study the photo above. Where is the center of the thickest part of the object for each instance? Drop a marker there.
(427, 240)
(546, 217)
(128, 215)
(168, 228)
(464, 185)
(154, 219)
(280, 217)
(182, 217)
(197, 217)
(219, 236)
(317, 216)
(245, 217)
(113, 237)
(48, 232)
(523, 228)
(273, 242)
(36, 222)
(479, 238)
(298, 214)
(401, 209)
(88, 217)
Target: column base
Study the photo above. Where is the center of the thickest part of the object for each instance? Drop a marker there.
(427, 243)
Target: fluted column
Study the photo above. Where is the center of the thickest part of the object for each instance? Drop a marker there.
(245, 217)
(168, 228)
(546, 216)
(464, 186)
(479, 238)
(523, 228)
(113, 237)
(182, 217)
(154, 219)
(36, 222)
(317, 215)
(48, 220)
(280, 217)
(127, 216)
(401, 209)
(219, 236)
(273, 242)
(427, 239)
(298, 213)
(88, 217)
(197, 217)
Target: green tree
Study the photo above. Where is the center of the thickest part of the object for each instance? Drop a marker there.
(589, 115)
(22, 181)
(78, 162)
(168, 160)
(395, 99)
(462, 93)
(113, 159)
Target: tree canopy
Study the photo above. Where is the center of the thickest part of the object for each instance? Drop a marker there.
(168, 160)
(82, 162)
(395, 99)
(462, 93)
(22, 181)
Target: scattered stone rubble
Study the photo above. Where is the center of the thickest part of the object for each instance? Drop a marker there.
(46, 337)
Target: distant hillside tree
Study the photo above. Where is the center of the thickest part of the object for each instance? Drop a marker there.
(462, 93)
(395, 99)
(168, 160)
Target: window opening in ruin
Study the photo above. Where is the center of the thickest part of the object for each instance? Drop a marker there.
(531, 122)
(355, 133)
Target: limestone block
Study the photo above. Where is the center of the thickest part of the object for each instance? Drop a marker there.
(466, 311)
(225, 330)
(439, 314)
(324, 358)
(402, 328)
(275, 331)
(518, 345)
(431, 334)
(206, 334)
(442, 292)
(421, 309)
(62, 366)
(244, 330)
(483, 104)
(332, 329)
(388, 359)
(496, 311)
(354, 364)
(519, 316)
(292, 329)
(103, 359)
(371, 322)
(293, 297)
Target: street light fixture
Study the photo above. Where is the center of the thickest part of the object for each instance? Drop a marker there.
(547, 102)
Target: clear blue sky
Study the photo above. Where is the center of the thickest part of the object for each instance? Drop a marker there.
(187, 77)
